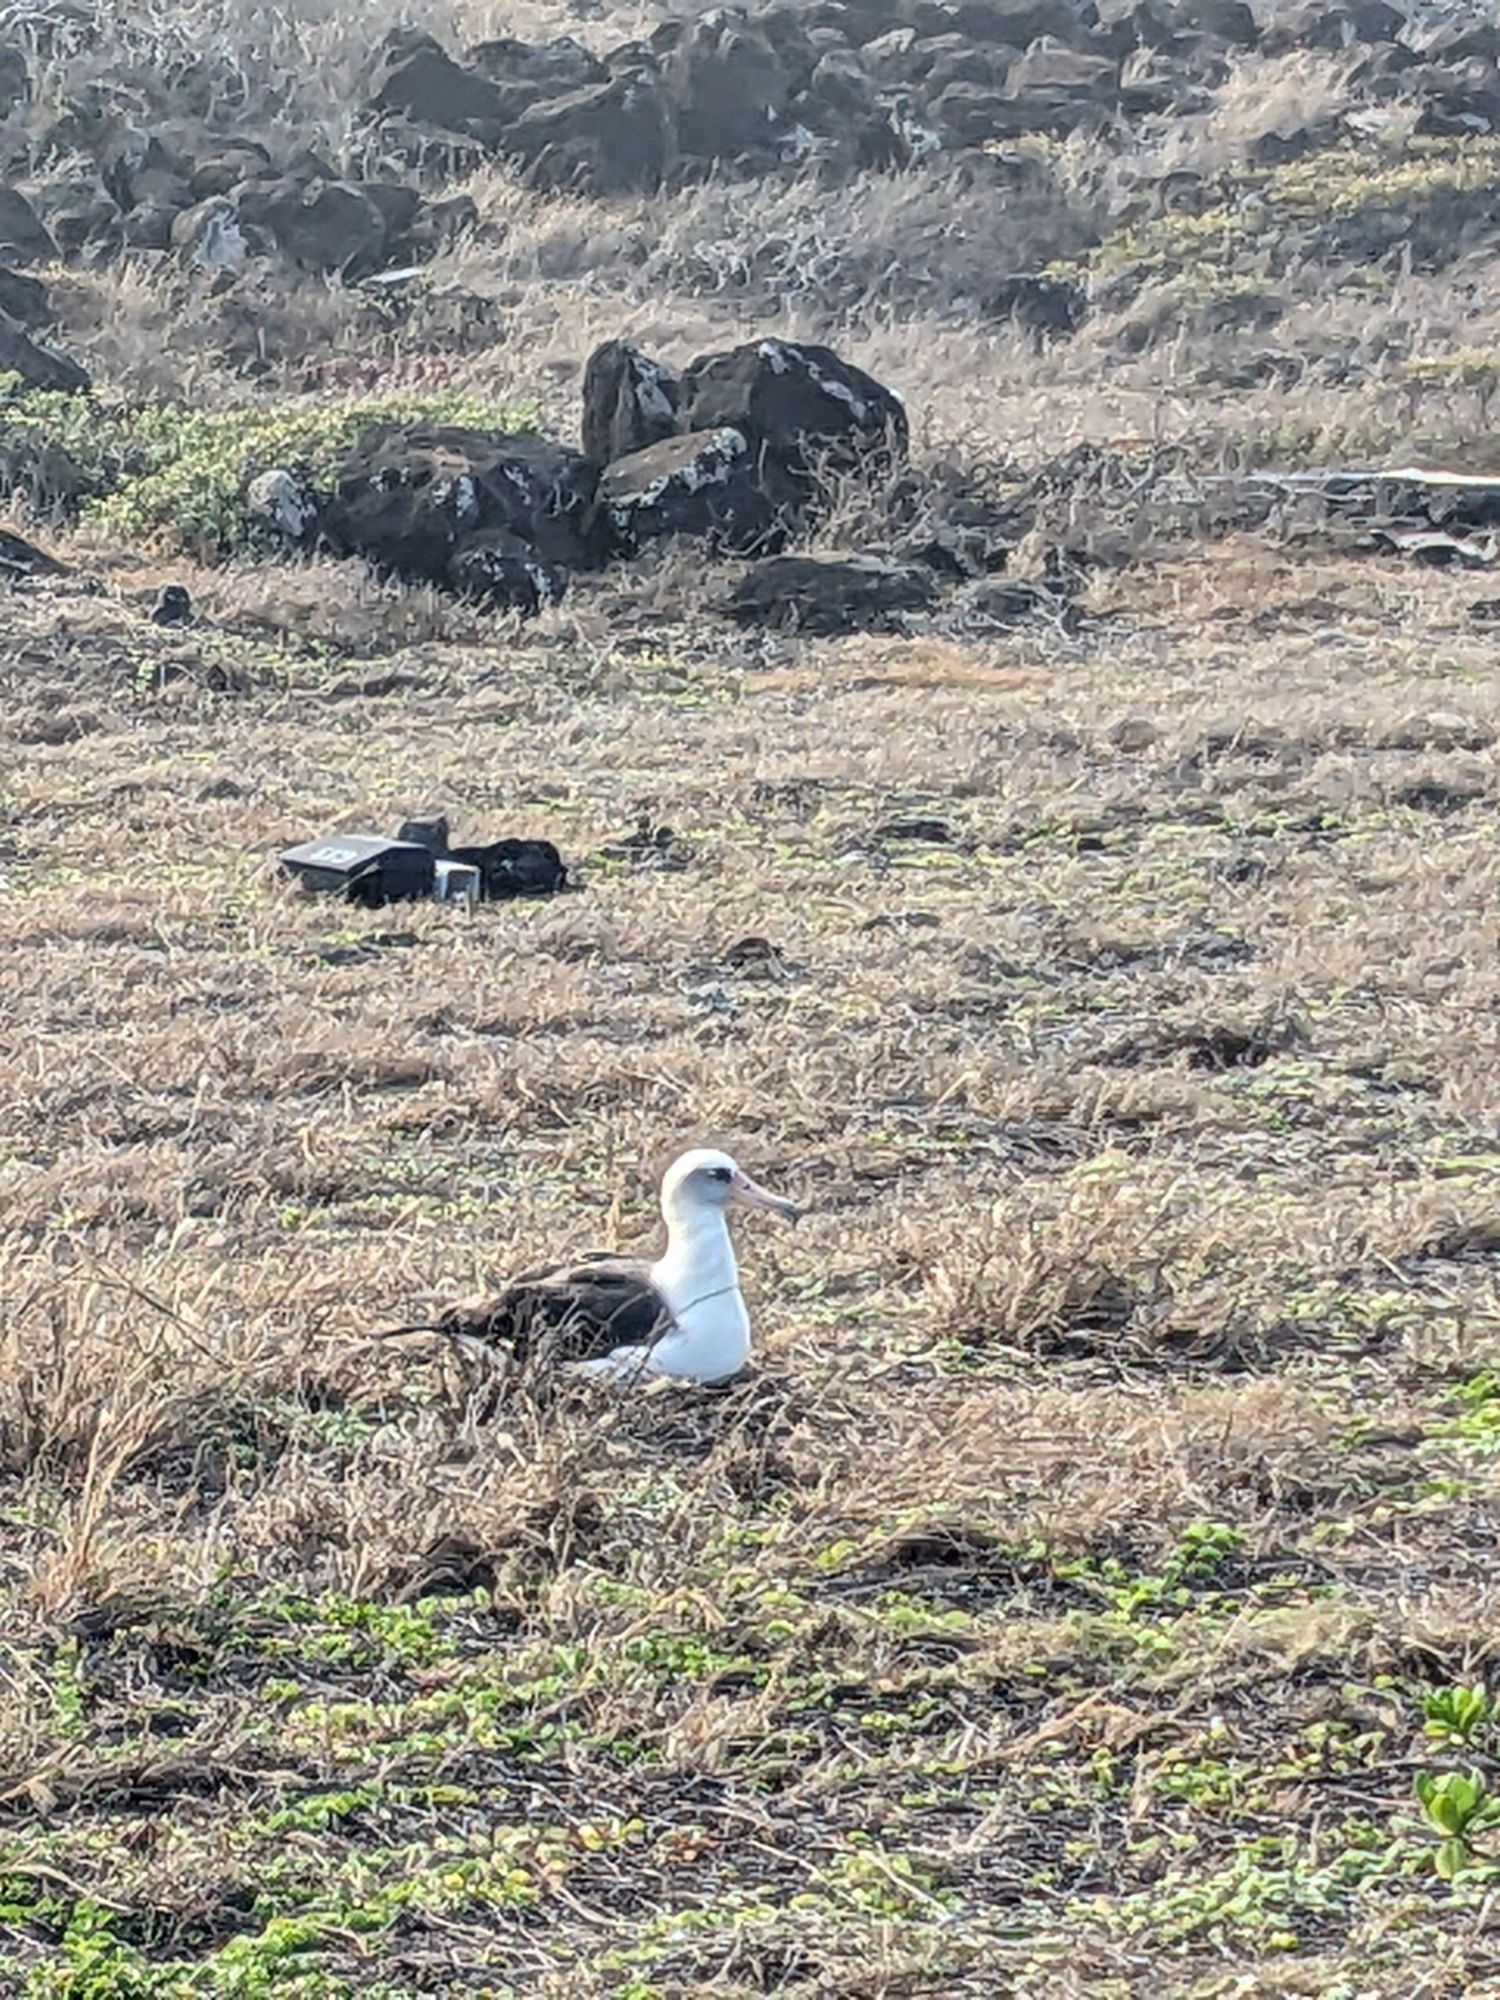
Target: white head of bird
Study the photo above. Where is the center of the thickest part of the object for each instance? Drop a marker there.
(698, 1187)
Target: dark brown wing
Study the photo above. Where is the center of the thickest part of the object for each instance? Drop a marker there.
(570, 1313)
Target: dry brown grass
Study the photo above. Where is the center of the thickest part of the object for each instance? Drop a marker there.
(1054, 1607)
(1129, 1120)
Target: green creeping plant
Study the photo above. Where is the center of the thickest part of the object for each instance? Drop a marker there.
(1460, 1806)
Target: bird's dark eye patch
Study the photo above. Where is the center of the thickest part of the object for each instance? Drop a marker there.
(721, 1173)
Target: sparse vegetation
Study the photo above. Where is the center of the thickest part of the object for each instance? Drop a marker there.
(174, 476)
(1091, 1592)
(960, 1636)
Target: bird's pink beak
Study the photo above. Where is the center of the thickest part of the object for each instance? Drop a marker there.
(745, 1190)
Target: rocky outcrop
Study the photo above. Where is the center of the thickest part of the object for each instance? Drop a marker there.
(834, 87)
(416, 79)
(409, 499)
(38, 367)
(708, 485)
(24, 301)
(325, 225)
(803, 594)
(284, 506)
(547, 68)
(739, 449)
(767, 87)
(629, 402)
(730, 85)
(498, 568)
(22, 560)
(799, 406)
(506, 519)
(24, 237)
(615, 137)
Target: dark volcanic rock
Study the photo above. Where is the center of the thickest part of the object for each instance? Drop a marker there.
(840, 87)
(222, 172)
(499, 569)
(944, 59)
(400, 208)
(1458, 98)
(417, 79)
(806, 595)
(23, 300)
(629, 402)
(77, 210)
(1467, 34)
(974, 114)
(15, 78)
(801, 405)
(1329, 24)
(1126, 25)
(853, 129)
(1008, 600)
(1054, 88)
(548, 68)
(209, 235)
(708, 484)
(617, 137)
(321, 225)
(729, 85)
(284, 505)
(1014, 22)
(20, 558)
(407, 498)
(24, 237)
(891, 60)
(148, 226)
(38, 367)
(137, 167)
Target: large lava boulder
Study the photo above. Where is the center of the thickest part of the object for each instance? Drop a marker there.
(499, 569)
(805, 594)
(323, 225)
(839, 95)
(15, 78)
(1054, 88)
(25, 301)
(1015, 23)
(708, 485)
(416, 78)
(629, 402)
(38, 367)
(800, 405)
(283, 506)
(76, 208)
(1329, 24)
(406, 499)
(24, 237)
(221, 172)
(545, 68)
(616, 137)
(729, 84)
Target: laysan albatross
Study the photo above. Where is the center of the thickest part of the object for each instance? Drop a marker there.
(627, 1318)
